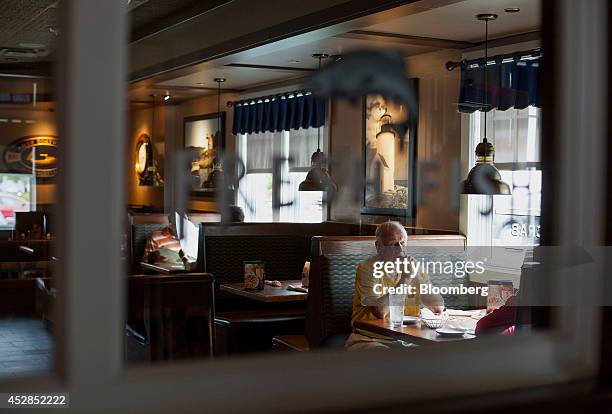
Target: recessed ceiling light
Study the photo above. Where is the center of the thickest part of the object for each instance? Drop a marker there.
(199, 83)
(512, 10)
(293, 61)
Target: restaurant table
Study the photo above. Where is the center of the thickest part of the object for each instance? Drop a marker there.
(418, 332)
(269, 293)
(165, 268)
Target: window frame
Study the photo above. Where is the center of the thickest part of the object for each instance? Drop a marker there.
(89, 342)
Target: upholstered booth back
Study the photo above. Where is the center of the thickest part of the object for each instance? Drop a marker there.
(139, 234)
(337, 290)
(283, 255)
(283, 247)
(332, 279)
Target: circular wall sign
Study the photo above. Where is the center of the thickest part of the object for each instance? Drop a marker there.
(36, 153)
(144, 155)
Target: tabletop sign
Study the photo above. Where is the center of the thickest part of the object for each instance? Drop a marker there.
(254, 274)
(33, 154)
(498, 293)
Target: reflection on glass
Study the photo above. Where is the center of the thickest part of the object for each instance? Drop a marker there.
(28, 169)
(177, 233)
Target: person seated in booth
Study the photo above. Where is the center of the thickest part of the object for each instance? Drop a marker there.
(162, 246)
(370, 303)
(501, 321)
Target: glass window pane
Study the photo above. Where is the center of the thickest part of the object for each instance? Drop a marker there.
(305, 206)
(28, 173)
(270, 196)
(516, 137)
(260, 151)
(255, 197)
(302, 143)
(502, 136)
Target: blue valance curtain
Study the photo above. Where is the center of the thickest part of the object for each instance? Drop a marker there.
(513, 84)
(281, 113)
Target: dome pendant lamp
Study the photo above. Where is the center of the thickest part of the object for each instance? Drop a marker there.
(318, 178)
(484, 178)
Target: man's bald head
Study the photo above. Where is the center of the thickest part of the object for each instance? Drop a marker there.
(391, 233)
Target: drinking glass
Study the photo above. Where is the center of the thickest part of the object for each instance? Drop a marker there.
(396, 309)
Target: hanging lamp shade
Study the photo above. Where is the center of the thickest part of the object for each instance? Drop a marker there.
(217, 177)
(484, 178)
(318, 178)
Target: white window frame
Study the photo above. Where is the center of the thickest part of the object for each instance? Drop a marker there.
(90, 314)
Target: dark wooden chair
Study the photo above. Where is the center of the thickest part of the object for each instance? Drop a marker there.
(172, 315)
(169, 317)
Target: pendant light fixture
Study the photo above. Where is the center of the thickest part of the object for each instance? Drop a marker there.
(318, 178)
(484, 178)
(216, 176)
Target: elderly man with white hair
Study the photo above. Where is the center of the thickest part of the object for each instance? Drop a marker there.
(369, 301)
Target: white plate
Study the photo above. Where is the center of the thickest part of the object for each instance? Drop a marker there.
(410, 320)
(450, 332)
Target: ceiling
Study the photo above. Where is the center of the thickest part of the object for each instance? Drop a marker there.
(282, 64)
(457, 22)
(452, 26)
(29, 28)
(28, 35)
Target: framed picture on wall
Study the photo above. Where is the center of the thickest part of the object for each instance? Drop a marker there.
(388, 158)
(204, 141)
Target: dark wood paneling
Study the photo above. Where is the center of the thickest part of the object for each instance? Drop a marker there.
(17, 297)
(38, 250)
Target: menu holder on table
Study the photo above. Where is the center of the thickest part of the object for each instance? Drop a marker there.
(254, 274)
(498, 293)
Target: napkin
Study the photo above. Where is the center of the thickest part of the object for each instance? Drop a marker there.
(297, 288)
(427, 313)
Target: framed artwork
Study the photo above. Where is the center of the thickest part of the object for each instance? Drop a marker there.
(389, 164)
(204, 141)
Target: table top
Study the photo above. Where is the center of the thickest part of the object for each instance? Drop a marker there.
(418, 332)
(269, 293)
(165, 268)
